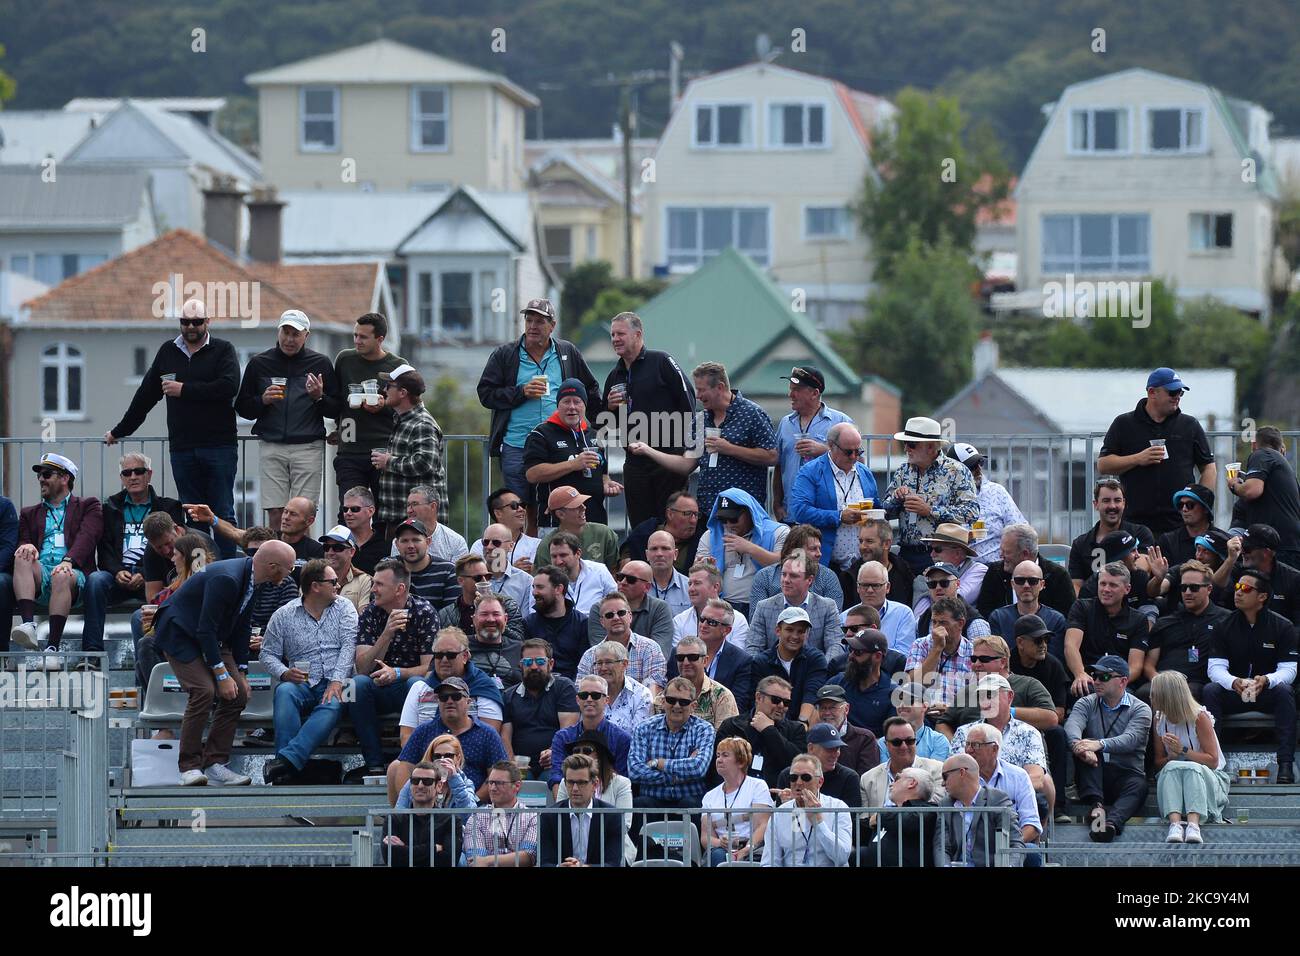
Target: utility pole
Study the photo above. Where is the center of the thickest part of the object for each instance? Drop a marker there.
(627, 122)
(675, 55)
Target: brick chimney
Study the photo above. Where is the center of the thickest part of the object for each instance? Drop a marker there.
(223, 209)
(264, 225)
(985, 356)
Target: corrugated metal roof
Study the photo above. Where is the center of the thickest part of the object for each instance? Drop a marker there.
(322, 223)
(79, 197)
(31, 135)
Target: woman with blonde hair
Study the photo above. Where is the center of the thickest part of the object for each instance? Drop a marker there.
(455, 790)
(733, 830)
(1192, 782)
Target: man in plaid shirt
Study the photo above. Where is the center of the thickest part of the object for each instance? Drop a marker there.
(415, 453)
(670, 757)
(646, 662)
(502, 838)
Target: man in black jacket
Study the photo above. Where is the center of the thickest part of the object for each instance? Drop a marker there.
(289, 391)
(199, 376)
(575, 838)
(543, 362)
(775, 740)
(653, 393)
(907, 838)
(417, 839)
(122, 545)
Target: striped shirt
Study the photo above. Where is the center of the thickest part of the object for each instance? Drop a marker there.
(269, 598)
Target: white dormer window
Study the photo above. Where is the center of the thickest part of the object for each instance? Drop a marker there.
(723, 126)
(1099, 132)
(429, 119)
(1175, 130)
(796, 126)
(318, 108)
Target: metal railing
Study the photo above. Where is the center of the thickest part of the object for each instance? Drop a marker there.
(448, 837)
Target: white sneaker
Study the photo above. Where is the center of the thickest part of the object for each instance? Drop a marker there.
(53, 660)
(1175, 833)
(194, 778)
(24, 635)
(1193, 834)
(219, 775)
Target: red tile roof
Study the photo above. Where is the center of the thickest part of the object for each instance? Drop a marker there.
(123, 289)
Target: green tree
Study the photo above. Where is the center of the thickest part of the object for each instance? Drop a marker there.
(932, 175)
(7, 85)
(920, 325)
(581, 286)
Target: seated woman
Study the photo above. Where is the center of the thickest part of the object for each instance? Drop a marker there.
(611, 787)
(737, 831)
(445, 752)
(1192, 783)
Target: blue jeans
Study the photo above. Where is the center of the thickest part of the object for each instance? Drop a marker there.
(295, 738)
(512, 471)
(6, 608)
(207, 476)
(371, 702)
(101, 591)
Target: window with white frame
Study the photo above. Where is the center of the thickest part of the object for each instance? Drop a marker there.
(1099, 131)
(429, 127)
(796, 125)
(458, 303)
(697, 234)
(559, 248)
(1175, 130)
(591, 242)
(723, 124)
(827, 222)
(1103, 243)
(62, 375)
(1211, 231)
(319, 124)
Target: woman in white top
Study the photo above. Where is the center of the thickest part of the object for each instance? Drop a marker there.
(737, 832)
(613, 788)
(1192, 782)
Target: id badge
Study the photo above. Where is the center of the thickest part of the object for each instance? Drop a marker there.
(58, 540)
(756, 763)
(1105, 757)
(738, 573)
(1193, 654)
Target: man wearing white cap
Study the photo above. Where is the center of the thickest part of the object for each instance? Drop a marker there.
(56, 549)
(289, 390)
(926, 491)
(997, 507)
(340, 545)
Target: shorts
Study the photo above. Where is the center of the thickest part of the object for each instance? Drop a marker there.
(291, 471)
(43, 598)
(512, 471)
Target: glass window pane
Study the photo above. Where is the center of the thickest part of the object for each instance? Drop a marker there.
(1058, 243)
(457, 307)
(1195, 129)
(1095, 240)
(432, 102)
(318, 132)
(1223, 232)
(1079, 129)
(488, 324)
(816, 124)
(141, 361)
(89, 262)
(49, 269)
(425, 294)
(21, 264)
(683, 229)
(1105, 128)
(50, 388)
(74, 388)
(717, 230)
(319, 102)
(731, 125)
(1198, 231)
(703, 125)
(792, 121)
(433, 133)
(752, 233)
(1166, 129)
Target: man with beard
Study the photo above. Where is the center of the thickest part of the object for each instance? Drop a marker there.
(491, 649)
(1086, 552)
(537, 708)
(433, 581)
(568, 509)
(561, 452)
(927, 490)
(867, 688)
(1195, 505)
(473, 577)
(450, 659)
(556, 620)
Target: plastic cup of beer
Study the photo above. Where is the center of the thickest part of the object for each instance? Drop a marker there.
(303, 666)
(1234, 469)
(147, 613)
(356, 397)
(169, 377)
(544, 382)
(1160, 443)
(281, 383)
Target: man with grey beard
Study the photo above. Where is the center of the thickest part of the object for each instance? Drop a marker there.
(490, 649)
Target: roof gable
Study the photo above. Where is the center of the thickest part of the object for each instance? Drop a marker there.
(468, 221)
(144, 133)
(80, 197)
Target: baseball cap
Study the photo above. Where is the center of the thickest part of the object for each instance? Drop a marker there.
(565, 496)
(1111, 664)
(870, 639)
(453, 683)
(408, 378)
(1031, 625)
(809, 375)
(341, 533)
(947, 567)
(824, 735)
(541, 307)
(51, 460)
(569, 387)
(1117, 544)
(726, 508)
(1261, 536)
(966, 453)
(993, 682)
(414, 523)
(1165, 378)
(1215, 540)
(830, 692)
(1198, 493)
(794, 615)
(296, 319)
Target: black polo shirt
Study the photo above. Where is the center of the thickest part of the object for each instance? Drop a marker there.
(1178, 546)
(1279, 505)
(1284, 600)
(1082, 547)
(534, 720)
(1103, 634)
(996, 591)
(1220, 597)
(1150, 489)
(655, 384)
(1049, 672)
(1137, 595)
(1252, 651)
(549, 444)
(1185, 640)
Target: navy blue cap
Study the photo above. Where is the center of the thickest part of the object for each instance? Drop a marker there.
(824, 735)
(569, 387)
(1165, 378)
(1111, 664)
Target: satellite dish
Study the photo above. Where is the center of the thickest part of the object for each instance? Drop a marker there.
(763, 44)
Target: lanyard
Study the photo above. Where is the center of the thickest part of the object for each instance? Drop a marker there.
(848, 485)
(1101, 713)
(59, 511)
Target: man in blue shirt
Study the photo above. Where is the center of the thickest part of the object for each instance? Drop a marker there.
(866, 687)
(593, 700)
(801, 435)
(480, 743)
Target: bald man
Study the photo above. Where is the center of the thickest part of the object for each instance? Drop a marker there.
(651, 617)
(296, 519)
(497, 543)
(831, 493)
(199, 376)
(668, 584)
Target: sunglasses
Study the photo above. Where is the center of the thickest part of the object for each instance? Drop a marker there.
(630, 579)
(533, 661)
(446, 655)
(933, 583)
(493, 542)
(986, 658)
(511, 504)
(678, 701)
(783, 701)
(193, 323)
(450, 698)
(335, 547)
(1247, 588)
(901, 741)
(610, 615)
(1026, 580)
(586, 751)
(1101, 677)
(710, 622)
(1192, 587)
(805, 777)
(1185, 505)
(424, 781)
(444, 756)
(354, 509)
(46, 473)
(133, 472)
(335, 583)
(476, 577)
(692, 658)
(852, 452)
(590, 695)
(947, 773)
